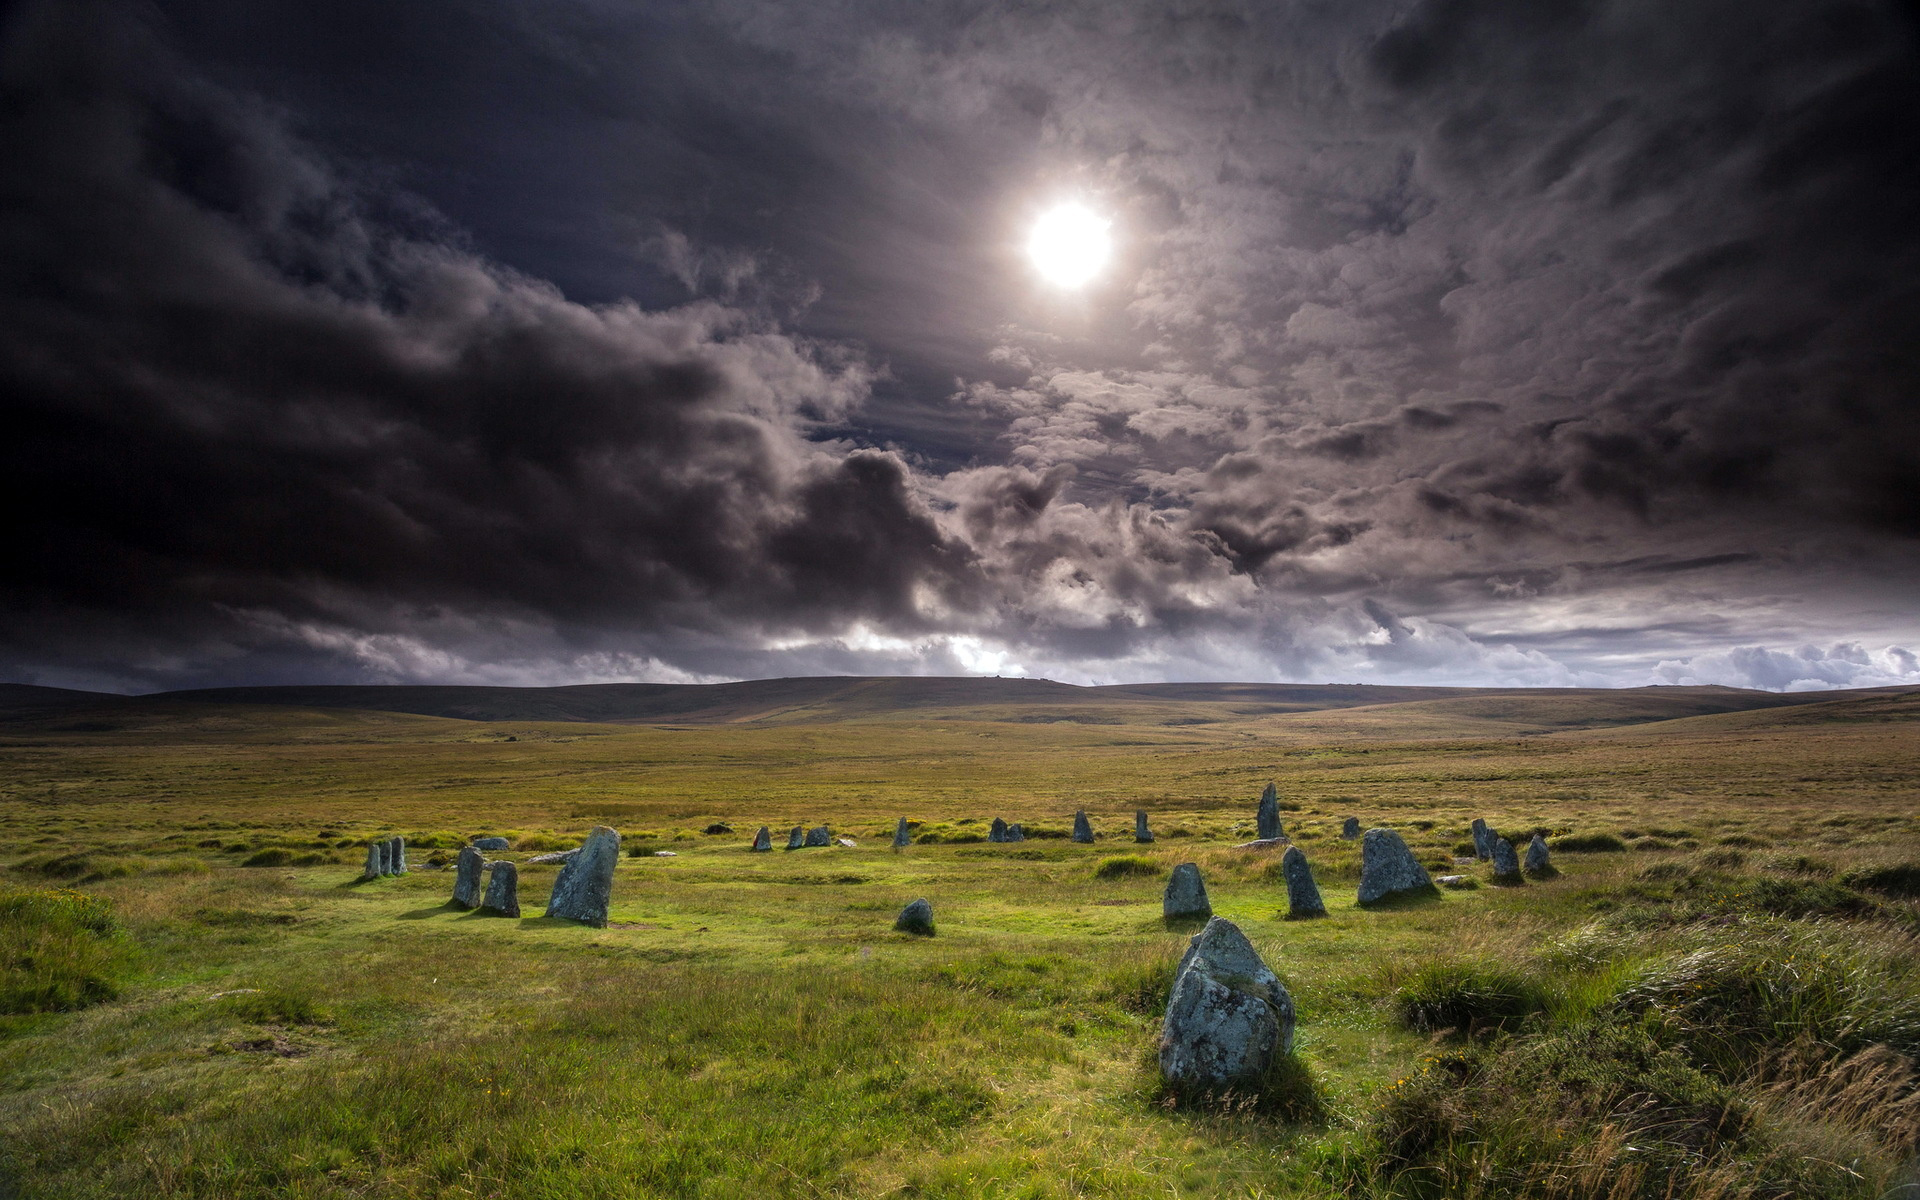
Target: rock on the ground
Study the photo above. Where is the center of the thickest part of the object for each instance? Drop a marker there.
(1267, 816)
(1015, 833)
(1303, 895)
(503, 890)
(1227, 1016)
(492, 843)
(584, 887)
(1350, 828)
(556, 856)
(848, 842)
(1140, 831)
(666, 854)
(797, 838)
(820, 835)
(900, 838)
(1388, 868)
(1452, 881)
(1483, 838)
(1186, 896)
(997, 832)
(466, 878)
(1082, 830)
(916, 918)
(1265, 843)
(1506, 864)
(762, 840)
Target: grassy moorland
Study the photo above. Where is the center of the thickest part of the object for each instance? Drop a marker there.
(1719, 996)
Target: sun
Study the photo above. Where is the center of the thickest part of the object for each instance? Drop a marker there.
(1069, 245)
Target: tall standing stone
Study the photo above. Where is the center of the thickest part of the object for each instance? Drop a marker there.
(1228, 1015)
(503, 890)
(997, 832)
(1267, 816)
(398, 862)
(584, 887)
(376, 860)
(1388, 869)
(820, 835)
(1140, 831)
(1303, 895)
(762, 841)
(900, 838)
(797, 838)
(1350, 829)
(1483, 839)
(1186, 896)
(1539, 863)
(1082, 831)
(1506, 864)
(916, 918)
(466, 878)
(1015, 833)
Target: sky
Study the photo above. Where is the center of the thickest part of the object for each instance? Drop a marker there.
(1468, 342)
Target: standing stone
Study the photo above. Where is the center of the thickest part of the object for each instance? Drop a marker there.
(1016, 834)
(1140, 831)
(1351, 829)
(1303, 895)
(797, 838)
(1539, 863)
(1082, 831)
(762, 840)
(1227, 1016)
(901, 838)
(466, 878)
(916, 918)
(820, 836)
(1389, 870)
(1506, 864)
(1483, 839)
(998, 831)
(503, 891)
(584, 887)
(376, 860)
(1186, 896)
(1267, 816)
(492, 843)
(397, 863)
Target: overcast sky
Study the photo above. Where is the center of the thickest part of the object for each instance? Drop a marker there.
(559, 341)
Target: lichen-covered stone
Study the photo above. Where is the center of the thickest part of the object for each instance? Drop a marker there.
(1082, 830)
(797, 838)
(997, 832)
(1016, 834)
(492, 843)
(1186, 896)
(1388, 869)
(1350, 829)
(900, 837)
(397, 855)
(1267, 816)
(584, 887)
(762, 840)
(1506, 864)
(503, 890)
(466, 878)
(1539, 863)
(1140, 831)
(916, 918)
(376, 860)
(1227, 1016)
(1483, 839)
(820, 835)
(1303, 895)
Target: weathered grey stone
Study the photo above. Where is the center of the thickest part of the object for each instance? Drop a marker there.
(1506, 864)
(1456, 882)
(997, 832)
(1267, 816)
(584, 886)
(503, 890)
(1351, 828)
(1140, 831)
(1483, 839)
(466, 878)
(492, 843)
(376, 860)
(1303, 895)
(848, 842)
(1186, 896)
(397, 856)
(762, 840)
(1227, 1016)
(1082, 830)
(1539, 862)
(666, 854)
(797, 838)
(556, 856)
(1388, 868)
(1016, 834)
(916, 918)
(900, 837)
(1265, 843)
(820, 835)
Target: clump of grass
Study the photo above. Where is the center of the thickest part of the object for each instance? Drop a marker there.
(1802, 864)
(1127, 866)
(59, 950)
(1588, 843)
(271, 857)
(1898, 879)
(273, 1006)
(1466, 997)
(540, 843)
(1725, 858)
(1744, 841)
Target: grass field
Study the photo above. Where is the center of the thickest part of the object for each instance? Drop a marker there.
(1721, 997)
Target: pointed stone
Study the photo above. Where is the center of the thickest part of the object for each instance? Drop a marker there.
(1483, 839)
(916, 918)
(997, 832)
(1186, 896)
(762, 841)
(1016, 834)
(1140, 831)
(376, 860)
(1303, 895)
(797, 838)
(1267, 816)
(820, 836)
(1082, 830)
(1228, 1015)
(1506, 864)
(584, 887)
(1388, 869)
(1351, 829)
(397, 862)
(503, 890)
(466, 878)
(901, 838)
(1539, 863)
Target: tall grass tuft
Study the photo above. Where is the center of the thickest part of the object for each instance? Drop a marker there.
(1466, 997)
(59, 950)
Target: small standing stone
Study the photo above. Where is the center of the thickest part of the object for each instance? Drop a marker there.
(503, 890)
(1506, 864)
(1228, 1015)
(1186, 896)
(376, 860)
(1082, 830)
(1267, 816)
(1388, 869)
(1016, 834)
(916, 918)
(997, 832)
(466, 878)
(763, 840)
(1303, 895)
(1483, 838)
(1351, 829)
(900, 838)
(397, 862)
(1140, 831)
(797, 838)
(584, 887)
(820, 836)
(492, 843)
(1539, 863)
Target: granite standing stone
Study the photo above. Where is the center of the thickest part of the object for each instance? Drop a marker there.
(1303, 895)
(466, 878)
(1140, 831)
(492, 843)
(797, 838)
(916, 918)
(901, 839)
(503, 890)
(397, 864)
(1350, 829)
(1506, 864)
(376, 860)
(1082, 831)
(1389, 870)
(1267, 816)
(762, 840)
(820, 836)
(1483, 837)
(1539, 863)
(1016, 834)
(1227, 1016)
(1186, 896)
(584, 886)
(998, 831)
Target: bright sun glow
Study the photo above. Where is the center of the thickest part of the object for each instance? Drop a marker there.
(1069, 245)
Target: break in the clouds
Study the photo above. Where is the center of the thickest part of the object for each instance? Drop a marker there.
(1460, 341)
